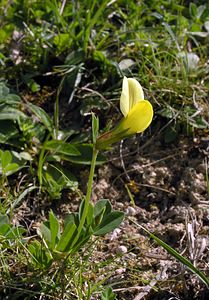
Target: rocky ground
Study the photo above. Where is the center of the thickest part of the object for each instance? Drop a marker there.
(162, 187)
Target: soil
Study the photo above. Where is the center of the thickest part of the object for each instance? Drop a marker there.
(169, 197)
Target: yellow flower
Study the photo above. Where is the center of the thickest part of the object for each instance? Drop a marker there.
(138, 114)
(131, 94)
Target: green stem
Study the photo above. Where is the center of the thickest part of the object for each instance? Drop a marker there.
(40, 166)
(56, 108)
(41, 162)
(88, 194)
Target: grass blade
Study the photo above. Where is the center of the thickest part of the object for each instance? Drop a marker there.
(178, 256)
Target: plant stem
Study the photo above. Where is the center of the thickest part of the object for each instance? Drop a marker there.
(56, 109)
(88, 193)
(41, 162)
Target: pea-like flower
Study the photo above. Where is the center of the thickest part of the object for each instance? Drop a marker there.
(138, 114)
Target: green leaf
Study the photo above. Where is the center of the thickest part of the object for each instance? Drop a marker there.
(200, 10)
(205, 16)
(7, 130)
(59, 177)
(102, 205)
(82, 240)
(6, 158)
(167, 112)
(75, 57)
(34, 86)
(193, 10)
(109, 223)
(54, 228)
(108, 294)
(198, 122)
(62, 41)
(71, 218)
(20, 198)
(61, 147)
(64, 244)
(4, 229)
(95, 127)
(7, 231)
(4, 219)
(81, 208)
(52, 186)
(32, 130)
(206, 25)
(6, 97)
(42, 116)
(40, 256)
(89, 217)
(4, 90)
(21, 156)
(11, 99)
(10, 113)
(14, 233)
(10, 163)
(85, 156)
(11, 168)
(45, 232)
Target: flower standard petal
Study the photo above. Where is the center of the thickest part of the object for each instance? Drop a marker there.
(136, 93)
(124, 98)
(132, 93)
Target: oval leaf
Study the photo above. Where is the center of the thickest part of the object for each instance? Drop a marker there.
(109, 223)
(62, 147)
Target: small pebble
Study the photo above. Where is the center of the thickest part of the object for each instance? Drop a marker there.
(131, 255)
(130, 211)
(120, 205)
(114, 235)
(120, 271)
(122, 250)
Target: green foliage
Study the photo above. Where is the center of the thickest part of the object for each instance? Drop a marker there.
(165, 40)
(100, 220)
(8, 166)
(108, 294)
(27, 127)
(8, 233)
(39, 256)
